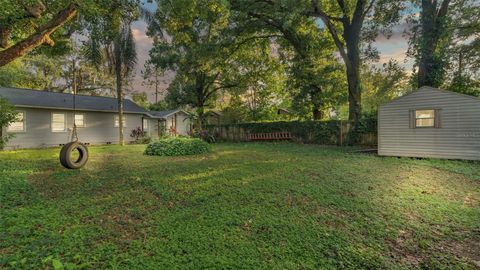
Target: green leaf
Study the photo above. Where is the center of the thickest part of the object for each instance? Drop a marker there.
(57, 265)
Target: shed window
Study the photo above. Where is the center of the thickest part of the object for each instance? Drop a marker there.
(58, 122)
(116, 122)
(80, 120)
(145, 124)
(19, 124)
(425, 118)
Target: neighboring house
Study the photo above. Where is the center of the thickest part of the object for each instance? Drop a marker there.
(46, 119)
(430, 122)
(285, 114)
(213, 118)
(171, 122)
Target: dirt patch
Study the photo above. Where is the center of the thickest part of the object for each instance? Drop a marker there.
(468, 248)
(405, 249)
(408, 250)
(470, 201)
(43, 184)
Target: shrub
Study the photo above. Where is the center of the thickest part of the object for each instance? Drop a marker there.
(140, 136)
(177, 147)
(205, 135)
(137, 133)
(144, 140)
(7, 116)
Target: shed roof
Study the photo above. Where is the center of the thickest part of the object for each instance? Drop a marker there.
(424, 88)
(53, 100)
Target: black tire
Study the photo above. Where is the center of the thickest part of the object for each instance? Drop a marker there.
(66, 155)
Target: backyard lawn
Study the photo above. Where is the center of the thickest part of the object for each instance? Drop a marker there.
(283, 206)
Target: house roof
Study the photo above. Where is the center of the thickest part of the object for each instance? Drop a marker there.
(218, 113)
(165, 114)
(54, 100)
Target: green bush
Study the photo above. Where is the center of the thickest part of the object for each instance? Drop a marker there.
(8, 114)
(177, 147)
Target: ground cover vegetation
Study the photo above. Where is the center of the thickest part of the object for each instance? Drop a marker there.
(276, 205)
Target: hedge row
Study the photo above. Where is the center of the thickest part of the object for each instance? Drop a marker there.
(320, 132)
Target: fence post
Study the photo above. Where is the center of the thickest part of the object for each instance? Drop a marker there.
(341, 133)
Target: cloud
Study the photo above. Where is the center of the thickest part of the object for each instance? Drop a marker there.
(143, 46)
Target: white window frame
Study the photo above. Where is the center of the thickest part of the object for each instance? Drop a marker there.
(116, 123)
(147, 126)
(64, 123)
(433, 118)
(74, 120)
(24, 121)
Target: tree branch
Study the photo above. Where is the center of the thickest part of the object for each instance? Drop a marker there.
(443, 9)
(41, 36)
(368, 8)
(317, 12)
(341, 3)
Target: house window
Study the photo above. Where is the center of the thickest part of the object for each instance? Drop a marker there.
(145, 124)
(425, 118)
(58, 122)
(80, 120)
(19, 124)
(116, 122)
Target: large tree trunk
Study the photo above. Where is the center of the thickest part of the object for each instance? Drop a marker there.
(317, 113)
(119, 84)
(317, 102)
(354, 94)
(201, 114)
(41, 36)
(431, 69)
(352, 40)
(426, 67)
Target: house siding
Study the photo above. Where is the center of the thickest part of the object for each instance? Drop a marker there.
(153, 127)
(99, 128)
(180, 122)
(183, 124)
(458, 136)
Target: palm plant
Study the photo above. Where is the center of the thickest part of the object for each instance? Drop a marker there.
(124, 58)
(119, 55)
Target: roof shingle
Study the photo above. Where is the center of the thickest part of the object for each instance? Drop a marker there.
(54, 100)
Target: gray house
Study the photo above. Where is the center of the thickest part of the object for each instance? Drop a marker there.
(46, 119)
(430, 122)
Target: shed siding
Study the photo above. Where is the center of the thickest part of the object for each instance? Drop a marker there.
(99, 129)
(457, 138)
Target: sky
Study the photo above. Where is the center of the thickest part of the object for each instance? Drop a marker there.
(394, 47)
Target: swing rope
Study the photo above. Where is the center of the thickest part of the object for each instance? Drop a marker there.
(74, 130)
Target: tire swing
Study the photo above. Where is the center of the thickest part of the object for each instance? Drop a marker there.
(66, 158)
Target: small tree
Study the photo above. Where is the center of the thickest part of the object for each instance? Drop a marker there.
(7, 116)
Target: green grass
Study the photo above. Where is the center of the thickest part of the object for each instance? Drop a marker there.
(270, 206)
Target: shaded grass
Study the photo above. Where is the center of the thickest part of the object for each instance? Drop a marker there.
(283, 206)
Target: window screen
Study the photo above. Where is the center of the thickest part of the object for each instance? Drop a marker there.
(116, 124)
(58, 122)
(424, 118)
(80, 120)
(19, 124)
(145, 124)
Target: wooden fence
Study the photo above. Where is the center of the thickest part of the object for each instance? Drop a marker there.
(336, 134)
